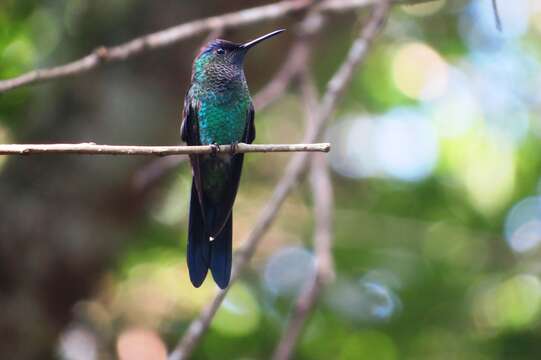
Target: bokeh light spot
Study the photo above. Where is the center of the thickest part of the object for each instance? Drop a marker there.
(353, 153)
(78, 343)
(523, 225)
(140, 344)
(478, 28)
(504, 84)
(364, 301)
(456, 112)
(536, 15)
(20, 53)
(378, 300)
(239, 314)
(512, 304)
(401, 144)
(287, 270)
(485, 165)
(406, 145)
(157, 289)
(419, 72)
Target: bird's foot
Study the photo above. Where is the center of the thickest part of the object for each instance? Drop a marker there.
(215, 148)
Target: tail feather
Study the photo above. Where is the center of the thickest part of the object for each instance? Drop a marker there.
(198, 242)
(218, 206)
(221, 254)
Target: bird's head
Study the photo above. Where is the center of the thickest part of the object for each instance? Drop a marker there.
(224, 57)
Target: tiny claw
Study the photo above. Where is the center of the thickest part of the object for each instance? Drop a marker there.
(215, 148)
(234, 147)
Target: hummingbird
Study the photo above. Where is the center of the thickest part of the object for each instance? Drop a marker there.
(218, 110)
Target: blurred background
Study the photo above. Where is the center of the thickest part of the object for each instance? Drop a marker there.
(436, 166)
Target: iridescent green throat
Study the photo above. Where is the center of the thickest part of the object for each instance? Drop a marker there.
(224, 101)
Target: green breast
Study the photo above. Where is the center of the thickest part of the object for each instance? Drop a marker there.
(222, 119)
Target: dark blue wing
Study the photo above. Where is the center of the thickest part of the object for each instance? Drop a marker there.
(198, 238)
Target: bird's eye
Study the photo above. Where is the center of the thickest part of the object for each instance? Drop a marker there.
(220, 51)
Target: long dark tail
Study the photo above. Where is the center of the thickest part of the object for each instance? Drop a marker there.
(220, 254)
(198, 242)
(203, 253)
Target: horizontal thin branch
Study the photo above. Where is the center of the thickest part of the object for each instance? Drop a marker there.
(94, 149)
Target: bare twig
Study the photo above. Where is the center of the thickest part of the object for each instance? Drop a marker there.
(323, 206)
(94, 149)
(293, 173)
(322, 191)
(324, 269)
(497, 15)
(175, 34)
(214, 34)
(178, 33)
(296, 60)
(323, 202)
(303, 307)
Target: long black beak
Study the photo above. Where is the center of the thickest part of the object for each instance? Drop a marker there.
(254, 42)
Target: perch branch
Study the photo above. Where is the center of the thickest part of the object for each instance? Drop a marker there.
(94, 149)
(295, 61)
(293, 173)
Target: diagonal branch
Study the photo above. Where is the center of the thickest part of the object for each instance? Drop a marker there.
(323, 204)
(293, 173)
(296, 60)
(94, 149)
(497, 18)
(324, 270)
(175, 34)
